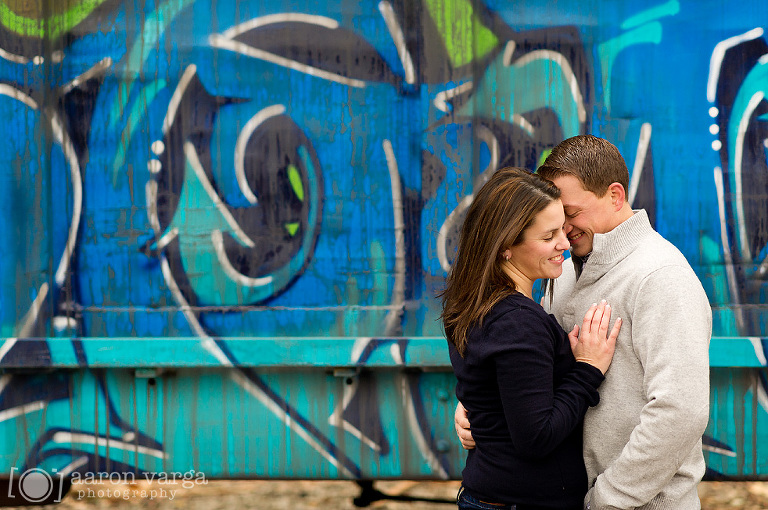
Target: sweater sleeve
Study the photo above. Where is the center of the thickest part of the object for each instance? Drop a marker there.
(539, 415)
(671, 329)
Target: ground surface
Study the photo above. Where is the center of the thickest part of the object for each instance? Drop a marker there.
(275, 495)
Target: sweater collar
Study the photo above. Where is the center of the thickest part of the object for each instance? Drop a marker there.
(620, 241)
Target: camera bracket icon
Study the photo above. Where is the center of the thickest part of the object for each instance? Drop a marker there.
(35, 486)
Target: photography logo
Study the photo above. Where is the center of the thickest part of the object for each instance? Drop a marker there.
(35, 486)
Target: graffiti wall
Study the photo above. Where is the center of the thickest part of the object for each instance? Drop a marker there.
(224, 223)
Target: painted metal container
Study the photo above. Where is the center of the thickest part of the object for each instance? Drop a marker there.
(226, 222)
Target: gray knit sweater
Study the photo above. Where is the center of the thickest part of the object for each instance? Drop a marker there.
(642, 443)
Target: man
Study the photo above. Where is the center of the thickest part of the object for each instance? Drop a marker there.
(642, 443)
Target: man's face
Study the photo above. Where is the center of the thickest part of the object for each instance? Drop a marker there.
(586, 214)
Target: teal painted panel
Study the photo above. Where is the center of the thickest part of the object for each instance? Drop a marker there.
(737, 405)
(394, 352)
(737, 352)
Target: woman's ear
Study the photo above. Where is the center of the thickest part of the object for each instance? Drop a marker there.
(506, 254)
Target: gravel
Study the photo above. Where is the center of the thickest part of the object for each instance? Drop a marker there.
(303, 494)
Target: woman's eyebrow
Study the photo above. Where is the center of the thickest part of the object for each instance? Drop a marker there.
(551, 231)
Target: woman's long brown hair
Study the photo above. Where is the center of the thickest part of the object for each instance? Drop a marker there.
(502, 209)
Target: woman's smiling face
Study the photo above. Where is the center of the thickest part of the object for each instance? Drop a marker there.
(540, 254)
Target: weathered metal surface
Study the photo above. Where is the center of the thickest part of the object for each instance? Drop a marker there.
(291, 352)
(224, 223)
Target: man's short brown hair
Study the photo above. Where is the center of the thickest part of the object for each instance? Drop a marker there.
(596, 162)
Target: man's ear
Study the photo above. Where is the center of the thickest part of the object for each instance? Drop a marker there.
(618, 195)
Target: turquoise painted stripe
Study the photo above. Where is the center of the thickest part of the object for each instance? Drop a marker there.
(670, 8)
(327, 352)
(138, 110)
(153, 29)
(62, 352)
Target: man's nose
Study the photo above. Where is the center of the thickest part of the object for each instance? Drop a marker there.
(567, 227)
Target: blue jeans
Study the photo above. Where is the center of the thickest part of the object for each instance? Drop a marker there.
(467, 501)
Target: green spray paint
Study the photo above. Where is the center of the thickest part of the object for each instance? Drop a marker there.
(465, 37)
(52, 27)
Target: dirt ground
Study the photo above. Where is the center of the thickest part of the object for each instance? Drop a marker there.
(277, 495)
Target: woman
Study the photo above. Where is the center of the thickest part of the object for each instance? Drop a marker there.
(525, 383)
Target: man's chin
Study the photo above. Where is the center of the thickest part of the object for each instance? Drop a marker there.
(579, 253)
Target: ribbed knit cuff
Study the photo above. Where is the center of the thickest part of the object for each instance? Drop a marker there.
(660, 502)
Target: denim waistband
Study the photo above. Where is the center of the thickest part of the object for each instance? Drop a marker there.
(466, 499)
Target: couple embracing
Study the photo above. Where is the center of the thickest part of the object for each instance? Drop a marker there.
(559, 407)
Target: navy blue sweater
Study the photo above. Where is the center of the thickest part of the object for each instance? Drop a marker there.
(526, 397)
